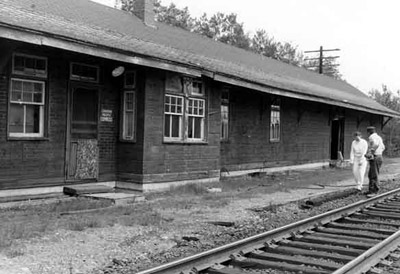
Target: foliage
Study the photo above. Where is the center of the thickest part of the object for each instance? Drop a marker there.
(329, 67)
(386, 98)
(266, 45)
(224, 28)
(227, 29)
(391, 131)
(174, 16)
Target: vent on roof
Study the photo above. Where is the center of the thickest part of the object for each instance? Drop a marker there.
(144, 9)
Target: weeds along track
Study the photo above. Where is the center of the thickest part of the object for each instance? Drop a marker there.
(352, 239)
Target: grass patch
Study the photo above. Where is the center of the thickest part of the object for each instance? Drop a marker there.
(14, 252)
(80, 223)
(79, 204)
(188, 189)
(27, 222)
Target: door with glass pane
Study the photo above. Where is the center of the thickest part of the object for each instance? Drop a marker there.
(82, 144)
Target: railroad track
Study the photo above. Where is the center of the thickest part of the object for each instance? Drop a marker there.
(352, 239)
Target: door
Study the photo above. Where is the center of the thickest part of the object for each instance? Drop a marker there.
(337, 138)
(82, 144)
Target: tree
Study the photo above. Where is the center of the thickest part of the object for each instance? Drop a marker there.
(170, 15)
(224, 28)
(174, 16)
(263, 44)
(227, 29)
(391, 131)
(329, 67)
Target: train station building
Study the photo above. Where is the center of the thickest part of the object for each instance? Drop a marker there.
(91, 94)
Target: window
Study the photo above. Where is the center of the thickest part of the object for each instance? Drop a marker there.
(82, 72)
(225, 114)
(26, 114)
(27, 96)
(29, 65)
(197, 88)
(129, 107)
(196, 119)
(184, 109)
(173, 117)
(128, 128)
(130, 79)
(275, 125)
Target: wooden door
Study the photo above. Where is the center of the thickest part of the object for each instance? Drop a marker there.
(82, 143)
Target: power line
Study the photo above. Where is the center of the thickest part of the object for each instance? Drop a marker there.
(321, 58)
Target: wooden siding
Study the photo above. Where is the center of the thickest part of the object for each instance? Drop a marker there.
(305, 131)
(182, 161)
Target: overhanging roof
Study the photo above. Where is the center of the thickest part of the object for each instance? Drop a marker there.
(90, 28)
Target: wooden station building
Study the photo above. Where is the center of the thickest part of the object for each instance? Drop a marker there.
(93, 94)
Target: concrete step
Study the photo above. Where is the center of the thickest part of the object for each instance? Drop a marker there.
(87, 189)
(118, 198)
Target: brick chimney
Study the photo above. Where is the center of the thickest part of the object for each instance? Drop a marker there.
(144, 9)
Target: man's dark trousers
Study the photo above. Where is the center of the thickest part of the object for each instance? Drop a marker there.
(374, 168)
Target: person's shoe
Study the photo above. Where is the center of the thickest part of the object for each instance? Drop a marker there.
(370, 195)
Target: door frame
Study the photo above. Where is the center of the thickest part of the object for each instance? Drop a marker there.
(71, 87)
(339, 136)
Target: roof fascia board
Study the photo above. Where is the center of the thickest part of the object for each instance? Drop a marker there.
(40, 39)
(270, 90)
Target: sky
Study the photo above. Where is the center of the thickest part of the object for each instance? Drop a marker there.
(367, 32)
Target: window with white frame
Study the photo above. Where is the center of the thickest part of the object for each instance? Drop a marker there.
(173, 117)
(196, 119)
(26, 114)
(129, 107)
(128, 127)
(184, 109)
(275, 124)
(224, 114)
(27, 96)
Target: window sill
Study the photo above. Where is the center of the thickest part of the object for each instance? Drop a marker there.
(14, 138)
(127, 141)
(174, 142)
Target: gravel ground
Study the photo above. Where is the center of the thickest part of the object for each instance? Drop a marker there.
(184, 228)
(208, 237)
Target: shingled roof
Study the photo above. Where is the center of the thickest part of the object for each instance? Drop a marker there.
(91, 28)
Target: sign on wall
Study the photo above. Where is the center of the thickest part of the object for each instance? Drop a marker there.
(106, 115)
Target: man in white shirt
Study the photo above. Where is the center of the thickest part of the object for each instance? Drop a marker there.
(374, 156)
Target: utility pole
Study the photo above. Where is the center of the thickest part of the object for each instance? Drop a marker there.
(321, 58)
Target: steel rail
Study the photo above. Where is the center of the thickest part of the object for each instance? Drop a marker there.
(206, 259)
(371, 257)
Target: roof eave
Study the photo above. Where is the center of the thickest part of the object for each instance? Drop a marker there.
(46, 39)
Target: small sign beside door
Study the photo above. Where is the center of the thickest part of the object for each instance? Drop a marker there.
(106, 115)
